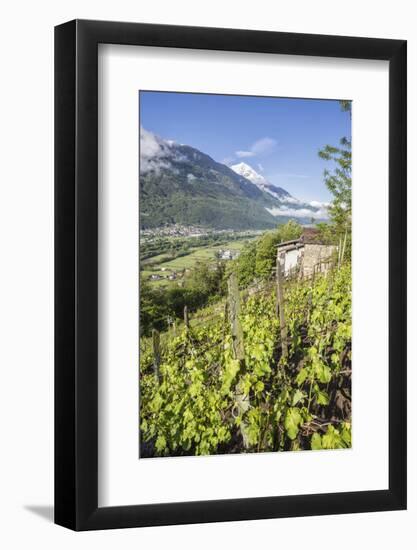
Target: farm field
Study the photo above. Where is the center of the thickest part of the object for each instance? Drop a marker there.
(159, 265)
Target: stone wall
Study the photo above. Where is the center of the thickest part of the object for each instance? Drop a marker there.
(314, 254)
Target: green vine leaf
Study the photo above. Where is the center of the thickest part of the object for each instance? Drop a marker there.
(292, 422)
(316, 442)
(232, 368)
(297, 397)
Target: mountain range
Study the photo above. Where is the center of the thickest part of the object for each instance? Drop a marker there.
(180, 184)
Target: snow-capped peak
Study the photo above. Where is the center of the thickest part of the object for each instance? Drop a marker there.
(260, 181)
(250, 174)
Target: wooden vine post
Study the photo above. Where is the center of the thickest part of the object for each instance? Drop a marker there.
(234, 310)
(342, 255)
(339, 253)
(280, 303)
(156, 353)
(234, 313)
(186, 320)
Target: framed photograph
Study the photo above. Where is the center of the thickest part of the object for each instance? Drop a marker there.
(230, 248)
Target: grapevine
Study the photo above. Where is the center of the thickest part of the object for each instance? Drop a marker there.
(301, 401)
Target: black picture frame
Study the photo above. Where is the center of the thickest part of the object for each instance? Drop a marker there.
(76, 272)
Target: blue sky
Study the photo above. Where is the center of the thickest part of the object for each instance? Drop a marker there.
(278, 137)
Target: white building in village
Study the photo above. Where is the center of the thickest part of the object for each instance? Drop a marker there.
(228, 254)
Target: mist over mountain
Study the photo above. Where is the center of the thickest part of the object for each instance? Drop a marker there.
(180, 184)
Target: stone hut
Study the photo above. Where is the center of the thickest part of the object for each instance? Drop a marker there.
(306, 255)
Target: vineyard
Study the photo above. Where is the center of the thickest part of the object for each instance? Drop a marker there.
(265, 368)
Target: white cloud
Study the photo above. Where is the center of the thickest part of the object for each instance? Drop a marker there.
(318, 204)
(299, 212)
(157, 153)
(243, 154)
(261, 168)
(150, 145)
(291, 200)
(262, 146)
(152, 152)
(303, 176)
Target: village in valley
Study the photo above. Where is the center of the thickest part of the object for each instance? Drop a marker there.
(173, 275)
(308, 252)
(170, 252)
